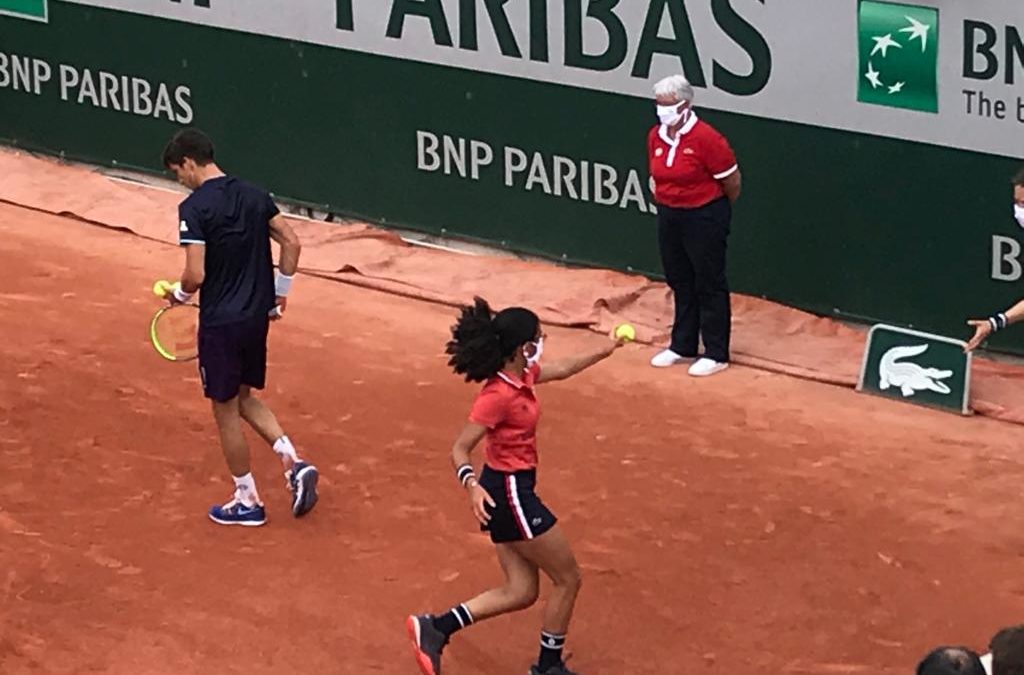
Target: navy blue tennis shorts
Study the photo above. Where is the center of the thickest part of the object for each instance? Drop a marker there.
(518, 514)
(232, 355)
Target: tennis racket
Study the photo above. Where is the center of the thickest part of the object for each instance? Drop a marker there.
(174, 332)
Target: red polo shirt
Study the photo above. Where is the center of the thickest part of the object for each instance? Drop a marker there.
(509, 409)
(686, 170)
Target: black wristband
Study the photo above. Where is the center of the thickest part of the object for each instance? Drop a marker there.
(464, 473)
(998, 321)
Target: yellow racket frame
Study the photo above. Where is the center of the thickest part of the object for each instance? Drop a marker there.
(153, 333)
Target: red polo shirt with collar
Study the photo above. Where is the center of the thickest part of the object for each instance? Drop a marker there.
(508, 407)
(687, 169)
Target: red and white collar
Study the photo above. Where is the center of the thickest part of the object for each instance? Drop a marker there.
(673, 143)
(514, 381)
(683, 130)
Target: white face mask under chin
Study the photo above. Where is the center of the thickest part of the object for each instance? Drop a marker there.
(1018, 213)
(537, 351)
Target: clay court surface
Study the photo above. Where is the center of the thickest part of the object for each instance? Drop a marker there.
(749, 523)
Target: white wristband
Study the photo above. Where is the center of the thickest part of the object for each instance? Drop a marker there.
(282, 285)
(182, 296)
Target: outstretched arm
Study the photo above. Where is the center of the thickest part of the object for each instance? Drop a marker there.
(563, 369)
(985, 327)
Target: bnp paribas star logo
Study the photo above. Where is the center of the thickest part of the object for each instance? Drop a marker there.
(899, 55)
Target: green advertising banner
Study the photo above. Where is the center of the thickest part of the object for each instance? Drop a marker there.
(524, 124)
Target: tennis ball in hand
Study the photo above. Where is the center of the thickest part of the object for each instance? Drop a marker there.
(625, 332)
(162, 288)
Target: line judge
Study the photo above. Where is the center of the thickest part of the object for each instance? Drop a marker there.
(695, 179)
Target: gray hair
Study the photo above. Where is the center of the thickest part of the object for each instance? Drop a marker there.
(675, 85)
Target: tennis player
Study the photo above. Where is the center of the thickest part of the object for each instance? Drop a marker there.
(504, 350)
(225, 228)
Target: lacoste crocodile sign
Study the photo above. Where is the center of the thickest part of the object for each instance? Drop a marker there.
(916, 367)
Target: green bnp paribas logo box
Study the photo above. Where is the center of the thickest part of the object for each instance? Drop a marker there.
(24, 9)
(899, 55)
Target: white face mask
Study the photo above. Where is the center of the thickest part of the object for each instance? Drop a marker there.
(670, 114)
(1018, 213)
(538, 349)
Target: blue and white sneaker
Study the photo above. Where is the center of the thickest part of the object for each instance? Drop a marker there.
(237, 513)
(302, 479)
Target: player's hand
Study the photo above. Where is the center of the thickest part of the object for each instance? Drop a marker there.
(280, 304)
(171, 294)
(171, 298)
(982, 329)
(478, 498)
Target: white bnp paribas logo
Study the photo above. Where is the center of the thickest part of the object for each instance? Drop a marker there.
(908, 376)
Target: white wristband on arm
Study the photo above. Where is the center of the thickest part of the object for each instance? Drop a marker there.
(283, 285)
(180, 295)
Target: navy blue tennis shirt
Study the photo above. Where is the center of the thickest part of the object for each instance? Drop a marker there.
(232, 219)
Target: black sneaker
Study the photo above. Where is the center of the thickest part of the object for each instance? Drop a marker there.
(302, 479)
(427, 643)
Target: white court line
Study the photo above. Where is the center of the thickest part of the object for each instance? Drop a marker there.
(137, 183)
(439, 247)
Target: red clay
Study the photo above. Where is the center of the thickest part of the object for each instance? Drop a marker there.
(747, 523)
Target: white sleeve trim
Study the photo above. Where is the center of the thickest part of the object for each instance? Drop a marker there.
(182, 242)
(728, 172)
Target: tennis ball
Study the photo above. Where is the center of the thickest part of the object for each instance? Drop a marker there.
(162, 288)
(626, 332)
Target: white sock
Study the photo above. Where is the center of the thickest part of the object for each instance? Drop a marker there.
(245, 490)
(285, 450)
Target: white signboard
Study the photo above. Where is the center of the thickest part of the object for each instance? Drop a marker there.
(945, 72)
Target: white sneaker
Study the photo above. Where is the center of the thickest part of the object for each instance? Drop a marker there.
(666, 358)
(704, 367)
